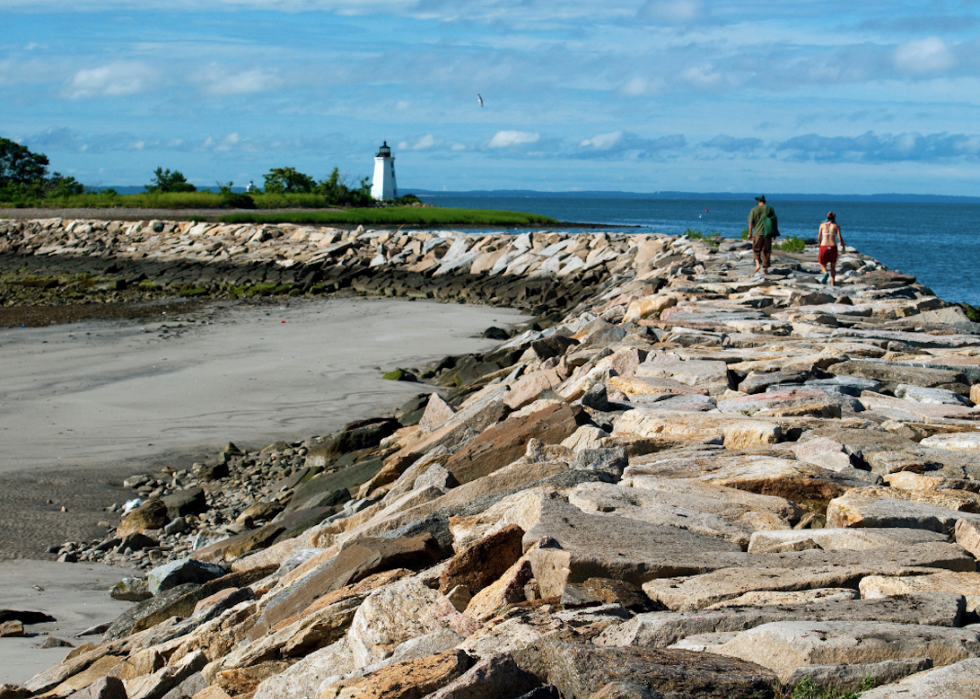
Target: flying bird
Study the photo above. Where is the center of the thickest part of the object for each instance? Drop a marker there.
(479, 99)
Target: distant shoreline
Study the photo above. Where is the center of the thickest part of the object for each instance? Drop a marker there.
(884, 197)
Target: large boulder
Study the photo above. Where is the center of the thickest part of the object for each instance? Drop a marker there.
(784, 646)
(579, 670)
(180, 572)
(483, 562)
(150, 515)
(506, 442)
(662, 629)
(355, 562)
(957, 681)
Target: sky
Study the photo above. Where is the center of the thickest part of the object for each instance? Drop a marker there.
(644, 96)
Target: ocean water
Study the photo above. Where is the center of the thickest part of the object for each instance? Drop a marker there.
(937, 243)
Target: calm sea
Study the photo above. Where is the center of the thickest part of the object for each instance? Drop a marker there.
(938, 243)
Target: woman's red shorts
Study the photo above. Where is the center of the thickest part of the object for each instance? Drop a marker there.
(828, 254)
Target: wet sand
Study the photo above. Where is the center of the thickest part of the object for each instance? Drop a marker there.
(83, 405)
(73, 593)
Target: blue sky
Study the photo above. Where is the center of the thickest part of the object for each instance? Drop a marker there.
(692, 95)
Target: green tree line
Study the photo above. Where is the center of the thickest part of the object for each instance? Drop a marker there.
(24, 181)
(24, 175)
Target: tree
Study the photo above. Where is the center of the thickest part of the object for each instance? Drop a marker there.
(166, 181)
(287, 180)
(19, 166)
(60, 186)
(337, 192)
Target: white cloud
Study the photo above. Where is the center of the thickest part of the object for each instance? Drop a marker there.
(506, 139)
(702, 76)
(113, 80)
(637, 87)
(928, 55)
(603, 141)
(218, 81)
(426, 141)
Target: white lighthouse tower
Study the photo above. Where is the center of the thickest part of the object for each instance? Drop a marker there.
(384, 186)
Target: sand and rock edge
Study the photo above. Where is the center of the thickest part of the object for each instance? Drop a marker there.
(686, 481)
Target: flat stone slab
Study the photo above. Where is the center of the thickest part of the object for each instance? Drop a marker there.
(757, 382)
(587, 546)
(957, 681)
(505, 442)
(900, 409)
(897, 373)
(854, 677)
(713, 511)
(960, 583)
(962, 441)
(938, 396)
(662, 629)
(765, 475)
(783, 398)
(804, 570)
(841, 539)
(871, 510)
(736, 432)
(784, 646)
(651, 385)
(578, 670)
(711, 375)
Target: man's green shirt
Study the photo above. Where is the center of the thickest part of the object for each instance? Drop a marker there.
(756, 216)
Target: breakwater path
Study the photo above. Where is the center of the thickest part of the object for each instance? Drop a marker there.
(684, 480)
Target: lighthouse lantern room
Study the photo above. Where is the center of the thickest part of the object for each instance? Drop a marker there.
(384, 186)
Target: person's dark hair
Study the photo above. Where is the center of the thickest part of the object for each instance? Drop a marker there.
(831, 215)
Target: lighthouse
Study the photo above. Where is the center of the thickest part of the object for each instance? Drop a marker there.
(384, 186)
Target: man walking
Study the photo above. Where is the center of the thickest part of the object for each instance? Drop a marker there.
(762, 224)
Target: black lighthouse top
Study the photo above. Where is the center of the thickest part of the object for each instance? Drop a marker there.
(384, 151)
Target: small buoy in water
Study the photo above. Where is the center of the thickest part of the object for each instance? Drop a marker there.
(282, 321)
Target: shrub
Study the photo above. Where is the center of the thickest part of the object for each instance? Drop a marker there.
(972, 312)
(235, 200)
(745, 234)
(287, 180)
(337, 192)
(792, 244)
(710, 239)
(167, 181)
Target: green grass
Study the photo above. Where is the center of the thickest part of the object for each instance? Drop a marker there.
(972, 312)
(710, 239)
(791, 244)
(181, 200)
(808, 690)
(395, 215)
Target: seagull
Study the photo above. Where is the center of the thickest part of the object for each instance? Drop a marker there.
(479, 99)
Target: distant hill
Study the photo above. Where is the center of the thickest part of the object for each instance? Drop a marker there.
(716, 196)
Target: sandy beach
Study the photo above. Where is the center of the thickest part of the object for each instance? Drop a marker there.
(84, 405)
(73, 593)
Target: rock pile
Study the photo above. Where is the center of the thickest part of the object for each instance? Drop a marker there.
(545, 271)
(697, 483)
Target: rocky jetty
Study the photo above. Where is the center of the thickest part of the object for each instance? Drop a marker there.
(684, 481)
